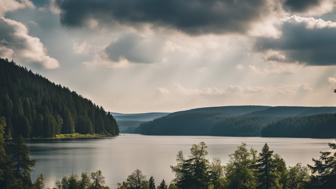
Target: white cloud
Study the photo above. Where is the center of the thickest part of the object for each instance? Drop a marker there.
(274, 68)
(310, 22)
(16, 43)
(11, 5)
(234, 90)
(332, 80)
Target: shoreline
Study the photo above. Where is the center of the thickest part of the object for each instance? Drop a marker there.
(69, 137)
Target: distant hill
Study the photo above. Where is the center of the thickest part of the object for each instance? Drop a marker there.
(34, 107)
(233, 120)
(128, 123)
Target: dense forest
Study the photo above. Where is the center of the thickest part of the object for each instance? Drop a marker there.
(315, 122)
(246, 169)
(34, 107)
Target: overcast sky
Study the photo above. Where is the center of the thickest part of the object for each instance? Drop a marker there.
(169, 55)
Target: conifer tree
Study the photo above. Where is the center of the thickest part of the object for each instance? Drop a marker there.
(162, 185)
(151, 183)
(21, 162)
(324, 169)
(266, 170)
(193, 172)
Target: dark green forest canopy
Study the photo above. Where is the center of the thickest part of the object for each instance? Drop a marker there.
(34, 107)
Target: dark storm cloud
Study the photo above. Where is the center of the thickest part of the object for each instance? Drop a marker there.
(300, 43)
(190, 16)
(300, 5)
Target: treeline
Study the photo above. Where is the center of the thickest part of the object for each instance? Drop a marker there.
(34, 107)
(246, 169)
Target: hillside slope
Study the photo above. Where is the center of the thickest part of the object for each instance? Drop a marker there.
(229, 120)
(35, 107)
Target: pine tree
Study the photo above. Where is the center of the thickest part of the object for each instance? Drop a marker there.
(39, 183)
(151, 183)
(266, 170)
(324, 169)
(162, 185)
(280, 171)
(21, 162)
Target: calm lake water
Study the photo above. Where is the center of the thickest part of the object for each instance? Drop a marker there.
(119, 156)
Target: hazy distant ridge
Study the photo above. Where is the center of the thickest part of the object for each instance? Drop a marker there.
(128, 123)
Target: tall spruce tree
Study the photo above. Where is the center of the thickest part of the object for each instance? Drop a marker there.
(266, 170)
(324, 169)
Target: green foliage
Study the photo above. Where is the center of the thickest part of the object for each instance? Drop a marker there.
(298, 177)
(15, 163)
(94, 181)
(37, 108)
(239, 172)
(135, 181)
(21, 162)
(266, 166)
(77, 136)
(193, 172)
(215, 174)
(324, 169)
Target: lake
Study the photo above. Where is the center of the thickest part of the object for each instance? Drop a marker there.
(118, 157)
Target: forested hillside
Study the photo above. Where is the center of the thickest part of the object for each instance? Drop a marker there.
(34, 107)
(321, 126)
(247, 121)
